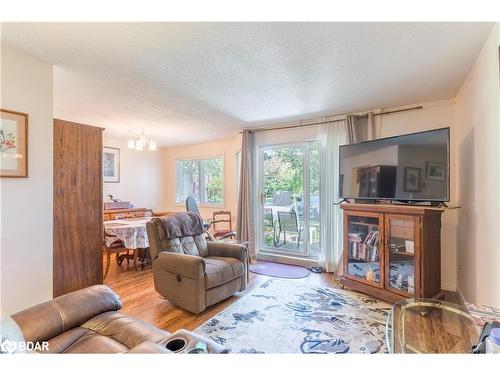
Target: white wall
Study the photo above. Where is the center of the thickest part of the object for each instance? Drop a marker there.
(434, 115)
(477, 118)
(26, 203)
(142, 176)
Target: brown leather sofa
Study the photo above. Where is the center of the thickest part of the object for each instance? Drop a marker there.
(88, 321)
(189, 271)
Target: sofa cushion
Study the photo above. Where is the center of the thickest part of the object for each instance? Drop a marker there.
(220, 270)
(81, 340)
(109, 332)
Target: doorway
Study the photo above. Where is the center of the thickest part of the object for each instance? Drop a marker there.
(289, 199)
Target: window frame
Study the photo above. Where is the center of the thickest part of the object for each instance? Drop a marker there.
(200, 159)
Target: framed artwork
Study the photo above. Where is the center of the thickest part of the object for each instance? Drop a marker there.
(435, 171)
(412, 179)
(13, 144)
(111, 164)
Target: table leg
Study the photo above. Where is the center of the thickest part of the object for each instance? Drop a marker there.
(136, 257)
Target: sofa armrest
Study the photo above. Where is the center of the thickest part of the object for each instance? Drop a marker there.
(49, 319)
(190, 266)
(228, 250)
(149, 347)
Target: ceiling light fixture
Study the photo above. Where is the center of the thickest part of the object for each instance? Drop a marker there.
(140, 141)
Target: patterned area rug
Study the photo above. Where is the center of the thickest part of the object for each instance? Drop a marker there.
(291, 316)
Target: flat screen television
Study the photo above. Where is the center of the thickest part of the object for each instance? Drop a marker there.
(406, 168)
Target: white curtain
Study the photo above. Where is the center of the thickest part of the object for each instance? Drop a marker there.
(331, 136)
(245, 216)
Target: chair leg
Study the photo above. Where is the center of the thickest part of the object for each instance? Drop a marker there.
(128, 256)
(108, 261)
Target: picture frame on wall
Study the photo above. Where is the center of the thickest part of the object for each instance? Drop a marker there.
(111, 164)
(412, 179)
(435, 171)
(13, 143)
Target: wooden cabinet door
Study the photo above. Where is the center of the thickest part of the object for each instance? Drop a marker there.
(77, 206)
(363, 247)
(402, 254)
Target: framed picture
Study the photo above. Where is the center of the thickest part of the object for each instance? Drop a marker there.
(435, 171)
(13, 144)
(111, 164)
(412, 179)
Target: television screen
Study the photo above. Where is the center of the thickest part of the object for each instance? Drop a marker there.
(413, 167)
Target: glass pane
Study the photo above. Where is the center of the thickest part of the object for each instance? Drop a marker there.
(188, 179)
(401, 244)
(314, 204)
(449, 328)
(213, 191)
(364, 248)
(283, 174)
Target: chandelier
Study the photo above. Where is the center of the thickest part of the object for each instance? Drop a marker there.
(140, 141)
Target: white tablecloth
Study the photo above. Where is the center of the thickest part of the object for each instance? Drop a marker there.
(131, 231)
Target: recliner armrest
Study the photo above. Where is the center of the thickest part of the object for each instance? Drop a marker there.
(190, 266)
(228, 250)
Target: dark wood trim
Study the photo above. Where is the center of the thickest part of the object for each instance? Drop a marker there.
(426, 255)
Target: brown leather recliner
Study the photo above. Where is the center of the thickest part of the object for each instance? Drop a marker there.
(87, 321)
(189, 271)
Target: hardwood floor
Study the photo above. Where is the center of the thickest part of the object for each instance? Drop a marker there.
(140, 300)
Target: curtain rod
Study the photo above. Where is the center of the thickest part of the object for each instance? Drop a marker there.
(299, 125)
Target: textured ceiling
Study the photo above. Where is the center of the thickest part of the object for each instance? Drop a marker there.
(193, 82)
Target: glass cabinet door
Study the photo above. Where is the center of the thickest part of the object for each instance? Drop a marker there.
(363, 250)
(401, 250)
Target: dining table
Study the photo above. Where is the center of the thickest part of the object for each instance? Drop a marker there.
(132, 232)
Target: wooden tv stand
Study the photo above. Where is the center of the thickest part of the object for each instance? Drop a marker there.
(392, 251)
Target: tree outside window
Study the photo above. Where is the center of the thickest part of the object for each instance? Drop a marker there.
(203, 179)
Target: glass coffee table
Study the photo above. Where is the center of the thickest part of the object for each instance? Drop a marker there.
(430, 326)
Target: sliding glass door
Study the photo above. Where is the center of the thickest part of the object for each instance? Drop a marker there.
(289, 199)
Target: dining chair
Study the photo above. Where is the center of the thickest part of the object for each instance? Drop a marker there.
(223, 218)
(115, 247)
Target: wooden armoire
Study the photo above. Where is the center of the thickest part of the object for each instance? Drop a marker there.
(77, 206)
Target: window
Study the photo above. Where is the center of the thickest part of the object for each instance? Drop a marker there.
(203, 179)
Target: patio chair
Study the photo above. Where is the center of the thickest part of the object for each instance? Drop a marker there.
(288, 222)
(282, 198)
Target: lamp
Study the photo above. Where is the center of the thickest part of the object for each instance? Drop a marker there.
(140, 141)
(131, 140)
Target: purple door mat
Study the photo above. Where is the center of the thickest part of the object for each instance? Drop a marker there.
(279, 270)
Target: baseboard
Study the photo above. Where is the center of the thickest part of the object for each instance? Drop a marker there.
(304, 262)
(449, 287)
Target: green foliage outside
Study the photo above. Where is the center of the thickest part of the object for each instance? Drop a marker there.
(214, 185)
(284, 170)
(205, 175)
